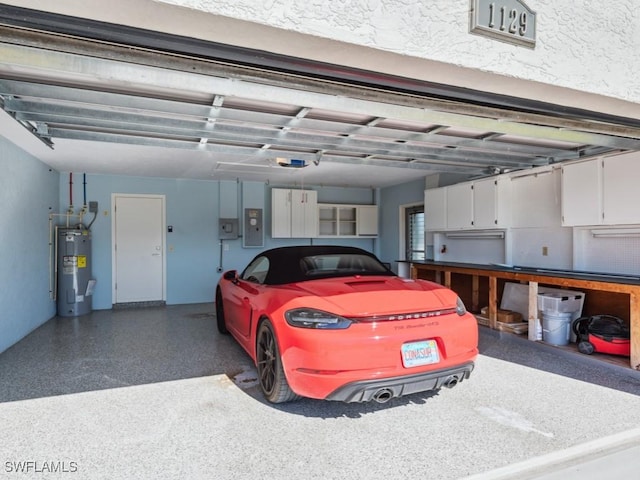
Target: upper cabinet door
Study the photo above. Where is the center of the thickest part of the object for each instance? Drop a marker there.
(485, 206)
(435, 209)
(280, 213)
(460, 206)
(367, 224)
(304, 213)
(620, 189)
(581, 197)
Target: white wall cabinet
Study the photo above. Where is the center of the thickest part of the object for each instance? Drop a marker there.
(435, 209)
(602, 191)
(460, 206)
(582, 193)
(367, 224)
(280, 213)
(336, 220)
(491, 202)
(480, 204)
(620, 189)
(294, 213)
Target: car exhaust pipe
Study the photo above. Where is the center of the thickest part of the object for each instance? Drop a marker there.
(383, 395)
(451, 382)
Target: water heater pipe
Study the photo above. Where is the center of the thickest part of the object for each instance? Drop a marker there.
(70, 190)
(84, 186)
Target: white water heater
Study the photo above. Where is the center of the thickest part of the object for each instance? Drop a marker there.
(75, 285)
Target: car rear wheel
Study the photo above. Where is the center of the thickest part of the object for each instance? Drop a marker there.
(273, 382)
(222, 324)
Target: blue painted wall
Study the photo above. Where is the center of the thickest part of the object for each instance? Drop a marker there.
(391, 198)
(28, 193)
(193, 208)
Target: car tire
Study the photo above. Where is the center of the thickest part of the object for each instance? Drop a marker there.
(273, 382)
(220, 320)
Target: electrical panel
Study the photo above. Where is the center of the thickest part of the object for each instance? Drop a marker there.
(228, 229)
(253, 228)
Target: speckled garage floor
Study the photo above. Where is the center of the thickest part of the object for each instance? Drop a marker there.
(157, 393)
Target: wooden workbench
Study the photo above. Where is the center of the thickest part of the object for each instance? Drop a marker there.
(624, 288)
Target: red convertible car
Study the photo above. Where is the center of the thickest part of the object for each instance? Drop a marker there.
(334, 323)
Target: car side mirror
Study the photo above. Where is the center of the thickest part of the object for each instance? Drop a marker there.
(231, 275)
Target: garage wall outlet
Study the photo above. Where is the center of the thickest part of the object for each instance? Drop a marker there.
(545, 251)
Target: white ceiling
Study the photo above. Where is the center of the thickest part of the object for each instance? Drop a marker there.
(108, 109)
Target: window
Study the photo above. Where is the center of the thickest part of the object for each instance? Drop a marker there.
(340, 265)
(257, 271)
(414, 235)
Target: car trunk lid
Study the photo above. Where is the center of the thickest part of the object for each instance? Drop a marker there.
(363, 296)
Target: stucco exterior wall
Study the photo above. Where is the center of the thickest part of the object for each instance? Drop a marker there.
(587, 45)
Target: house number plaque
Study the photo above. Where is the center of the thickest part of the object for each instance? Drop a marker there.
(507, 20)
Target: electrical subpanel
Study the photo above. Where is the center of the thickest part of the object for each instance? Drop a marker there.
(253, 228)
(228, 229)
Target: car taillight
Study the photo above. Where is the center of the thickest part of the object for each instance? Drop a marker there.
(311, 318)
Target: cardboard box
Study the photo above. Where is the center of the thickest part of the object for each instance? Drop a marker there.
(504, 316)
(519, 328)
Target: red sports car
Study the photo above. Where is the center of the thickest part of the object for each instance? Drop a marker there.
(334, 323)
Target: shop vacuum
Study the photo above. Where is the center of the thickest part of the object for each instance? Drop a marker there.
(602, 334)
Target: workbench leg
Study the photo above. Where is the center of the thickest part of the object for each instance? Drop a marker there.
(447, 279)
(634, 308)
(493, 302)
(533, 311)
(475, 293)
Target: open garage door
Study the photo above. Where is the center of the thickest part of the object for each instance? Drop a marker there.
(155, 104)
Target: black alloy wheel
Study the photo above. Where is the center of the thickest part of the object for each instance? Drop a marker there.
(273, 382)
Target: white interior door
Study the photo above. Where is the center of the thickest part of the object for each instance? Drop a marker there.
(138, 248)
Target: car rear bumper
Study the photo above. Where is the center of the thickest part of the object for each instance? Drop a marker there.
(382, 390)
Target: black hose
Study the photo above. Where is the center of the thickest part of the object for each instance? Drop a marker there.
(95, 214)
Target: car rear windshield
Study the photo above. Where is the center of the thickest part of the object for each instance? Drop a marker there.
(336, 265)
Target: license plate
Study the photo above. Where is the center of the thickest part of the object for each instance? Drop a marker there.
(415, 354)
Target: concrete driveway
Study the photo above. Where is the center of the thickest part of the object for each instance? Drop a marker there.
(523, 417)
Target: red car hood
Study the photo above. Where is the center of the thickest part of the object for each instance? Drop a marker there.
(362, 296)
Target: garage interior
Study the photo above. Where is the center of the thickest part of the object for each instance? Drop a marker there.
(102, 112)
(110, 100)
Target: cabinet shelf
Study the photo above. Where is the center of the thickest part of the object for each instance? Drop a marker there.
(340, 221)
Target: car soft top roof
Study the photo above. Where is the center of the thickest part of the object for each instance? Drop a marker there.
(284, 262)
